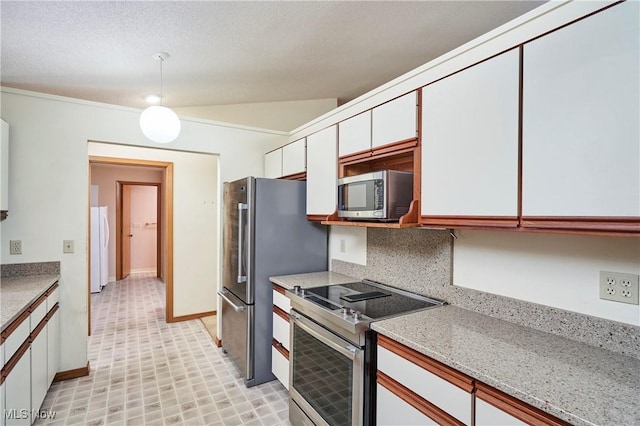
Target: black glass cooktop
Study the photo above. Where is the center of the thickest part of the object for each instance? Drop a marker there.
(374, 301)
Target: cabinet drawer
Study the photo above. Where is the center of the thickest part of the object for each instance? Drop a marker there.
(280, 300)
(488, 415)
(280, 367)
(16, 337)
(38, 312)
(53, 298)
(429, 385)
(393, 410)
(281, 329)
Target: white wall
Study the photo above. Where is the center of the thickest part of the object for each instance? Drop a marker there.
(284, 116)
(48, 184)
(348, 244)
(561, 271)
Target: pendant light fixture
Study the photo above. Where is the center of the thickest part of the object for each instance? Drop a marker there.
(159, 123)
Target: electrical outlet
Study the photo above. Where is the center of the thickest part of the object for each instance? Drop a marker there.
(67, 246)
(619, 287)
(15, 247)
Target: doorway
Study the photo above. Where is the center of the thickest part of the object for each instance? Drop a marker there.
(164, 219)
(138, 228)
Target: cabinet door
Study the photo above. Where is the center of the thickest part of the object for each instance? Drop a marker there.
(581, 130)
(4, 166)
(294, 157)
(39, 383)
(18, 392)
(322, 172)
(53, 346)
(392, 410)
(273, 164)
(354, 134)
(395, 121)
(470, 141)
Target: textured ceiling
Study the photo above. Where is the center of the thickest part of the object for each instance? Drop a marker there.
(229, 52)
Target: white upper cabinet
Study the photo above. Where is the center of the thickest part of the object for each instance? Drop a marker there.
(273, 164)
(294, 157)
(470, 141)
(395, 121)
(354, 134)
(4, 166)
(322, 172)
(581, 130)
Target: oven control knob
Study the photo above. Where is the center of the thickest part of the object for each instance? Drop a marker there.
(345, 311)
(302, 292)
(296, 289)
(357, 315)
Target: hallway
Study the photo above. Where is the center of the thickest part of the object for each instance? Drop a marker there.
(147, 372)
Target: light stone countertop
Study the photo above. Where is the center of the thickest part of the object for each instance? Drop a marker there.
(578, 383)
(313, 279)
(17, 293)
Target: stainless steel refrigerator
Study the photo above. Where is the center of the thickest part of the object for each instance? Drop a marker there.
(266, 233)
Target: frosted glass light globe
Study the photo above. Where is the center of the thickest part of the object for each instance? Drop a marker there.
(160, 124)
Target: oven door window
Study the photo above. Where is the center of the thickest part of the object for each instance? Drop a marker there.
(323, 377)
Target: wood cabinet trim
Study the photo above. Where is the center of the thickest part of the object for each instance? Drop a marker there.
(39, 301)
(425, 407)
(51, 289)
(24, 316)
(516, 408)
(279, 312)
(279, 289)
(295, 176)
(278, 347)
(4, 214)
(36, 331)
(6, 369)
(52, 311)
(441, 370)
(316, 217)
(470, 221)
(600, 223)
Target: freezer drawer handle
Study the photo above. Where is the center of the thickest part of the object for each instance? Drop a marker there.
(241, 278)
(233, 305)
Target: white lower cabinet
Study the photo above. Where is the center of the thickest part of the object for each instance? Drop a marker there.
(53, 346)
(450, 399)
(392, 410)
(489, 415)
(39, 375)
(281, 336)
(17, 388)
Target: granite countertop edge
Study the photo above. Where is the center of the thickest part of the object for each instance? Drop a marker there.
(312, 279)
(18, 293)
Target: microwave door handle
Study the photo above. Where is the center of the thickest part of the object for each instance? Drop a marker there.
(241, 278)
(345, 349)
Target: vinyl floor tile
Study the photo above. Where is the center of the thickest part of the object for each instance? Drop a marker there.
(147, 372)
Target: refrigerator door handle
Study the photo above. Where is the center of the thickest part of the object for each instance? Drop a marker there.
(106, 228)
(233, 305)
(241, 278)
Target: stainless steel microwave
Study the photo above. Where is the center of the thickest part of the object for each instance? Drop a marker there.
(384, 195)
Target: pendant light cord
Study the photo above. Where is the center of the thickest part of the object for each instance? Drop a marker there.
(161, 92)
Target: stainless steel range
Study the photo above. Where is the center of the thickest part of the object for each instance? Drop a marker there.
(332, 358)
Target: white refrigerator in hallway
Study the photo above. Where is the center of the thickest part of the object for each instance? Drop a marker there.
(99, 248)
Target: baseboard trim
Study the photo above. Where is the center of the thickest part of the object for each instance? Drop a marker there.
(217, 342)
(72, 374)
(192, 316)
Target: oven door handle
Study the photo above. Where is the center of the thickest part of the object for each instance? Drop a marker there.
(326, 337)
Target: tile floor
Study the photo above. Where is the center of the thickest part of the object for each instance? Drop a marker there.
(147, 372)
